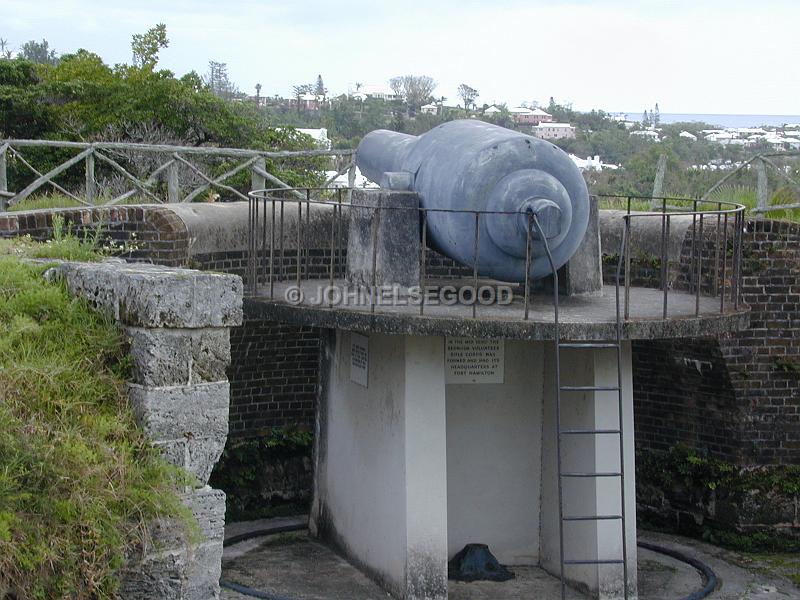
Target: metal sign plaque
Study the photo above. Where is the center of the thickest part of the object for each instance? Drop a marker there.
(470, 360)
(359, 359)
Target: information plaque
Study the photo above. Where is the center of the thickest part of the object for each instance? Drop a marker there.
(471, 360)
(359, 359)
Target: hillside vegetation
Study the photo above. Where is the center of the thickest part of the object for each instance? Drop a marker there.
(78, 479)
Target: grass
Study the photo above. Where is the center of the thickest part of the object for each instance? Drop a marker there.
(45, 201)
(59, 200)
(78, 478)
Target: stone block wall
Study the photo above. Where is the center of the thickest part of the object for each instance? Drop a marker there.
(177, 322)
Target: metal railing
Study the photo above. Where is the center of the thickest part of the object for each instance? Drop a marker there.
(721, 248)
(299, 235)
(168, 169)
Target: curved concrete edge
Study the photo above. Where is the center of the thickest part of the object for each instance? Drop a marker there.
(224, 227)
(394, 324)
(645, 233)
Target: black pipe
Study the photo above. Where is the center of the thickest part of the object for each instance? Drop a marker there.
(235, 539)
(704, 569)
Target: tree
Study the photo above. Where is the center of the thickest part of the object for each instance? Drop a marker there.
(645, 119)
(5, 50)
(396, 85)
(468, 95)
(417, 90)
(38, 52)
(320, 89)
(218, 81)
(656, 116)
(145, 46)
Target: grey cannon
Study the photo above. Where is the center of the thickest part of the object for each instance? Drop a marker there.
(470, 165)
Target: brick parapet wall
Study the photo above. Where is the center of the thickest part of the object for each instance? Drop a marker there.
(151, 233)
(743, 404)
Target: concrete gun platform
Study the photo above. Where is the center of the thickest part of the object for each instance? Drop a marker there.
(298, 567)
(580, 317)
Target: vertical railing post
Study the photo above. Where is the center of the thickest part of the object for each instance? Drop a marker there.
(173, 184)
(351, 180)
(91, 183)
(3, 178)
(762, 185)
(258, 181)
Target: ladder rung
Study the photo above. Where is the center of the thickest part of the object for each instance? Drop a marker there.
(589, 388)
(588, 431)
(600, 474)
(593, 562)
(594, 518)
(587, 345)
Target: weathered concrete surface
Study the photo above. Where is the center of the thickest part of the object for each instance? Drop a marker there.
(398, 239)
(302, 568)
(179, 356)
(581, 318)
(174, 567)
(583, 272)
(151, 296)
(645, 234)
(189, 423)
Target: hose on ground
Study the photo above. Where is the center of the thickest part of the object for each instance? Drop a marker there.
(235, 539)
(704, 569)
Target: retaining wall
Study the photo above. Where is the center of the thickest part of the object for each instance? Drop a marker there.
(177, 323)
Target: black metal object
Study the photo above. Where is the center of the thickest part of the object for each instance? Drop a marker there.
(474, 562)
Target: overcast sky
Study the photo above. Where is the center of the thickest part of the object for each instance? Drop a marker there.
(698, 56)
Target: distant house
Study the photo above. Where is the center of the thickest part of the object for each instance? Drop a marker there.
(554, 131)
(320, 137)
(688, 136)
(376, 92)
(528, 116)
(492, 110)
(650, 134)
(429, 109)
(308, 101)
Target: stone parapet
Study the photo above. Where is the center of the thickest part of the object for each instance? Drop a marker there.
(177, 323)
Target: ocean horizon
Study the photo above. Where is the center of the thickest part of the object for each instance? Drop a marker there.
(723, 120)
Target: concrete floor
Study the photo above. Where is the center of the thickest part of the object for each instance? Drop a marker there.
(303, 569)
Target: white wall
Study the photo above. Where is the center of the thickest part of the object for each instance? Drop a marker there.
(494, 459)
(380, 483)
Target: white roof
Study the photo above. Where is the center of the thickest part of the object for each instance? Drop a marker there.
(491, 110)
(539, 112)
(556, 125)
(520, 110)
(430, 106)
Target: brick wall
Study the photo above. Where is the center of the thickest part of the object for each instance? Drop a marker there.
(273, 374)
(743, 404)
(155, 233)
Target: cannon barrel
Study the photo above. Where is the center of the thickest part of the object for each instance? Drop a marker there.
(469, 165)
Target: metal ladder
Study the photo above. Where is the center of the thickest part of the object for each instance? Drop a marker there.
(616, 345)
